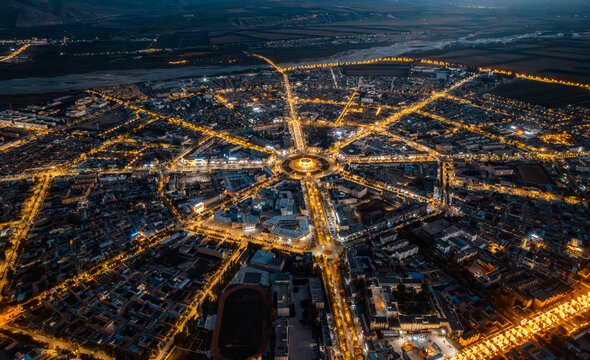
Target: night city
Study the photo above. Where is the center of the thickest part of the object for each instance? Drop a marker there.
(295, 180)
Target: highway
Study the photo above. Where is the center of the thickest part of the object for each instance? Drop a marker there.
(537, 78)
(16, 53)
(294, 122)
(348, 63)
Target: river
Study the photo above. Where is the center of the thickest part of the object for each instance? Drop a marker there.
(40, 85)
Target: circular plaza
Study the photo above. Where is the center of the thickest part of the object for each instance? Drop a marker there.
(299, 166)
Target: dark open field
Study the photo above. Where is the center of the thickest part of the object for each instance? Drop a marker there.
(548, 95)
(565, 57)
(241, 335)
(377, 70)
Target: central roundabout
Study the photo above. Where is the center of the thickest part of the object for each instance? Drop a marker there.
(305, 163)
(298, 165)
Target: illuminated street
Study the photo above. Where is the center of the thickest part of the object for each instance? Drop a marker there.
(15, 53)
(528, 328)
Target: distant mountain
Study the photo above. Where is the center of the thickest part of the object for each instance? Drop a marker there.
(29, 13)
(26, 13)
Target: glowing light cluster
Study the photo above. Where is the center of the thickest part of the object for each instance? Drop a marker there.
(558, 139)
(519, 334)
(305, 163)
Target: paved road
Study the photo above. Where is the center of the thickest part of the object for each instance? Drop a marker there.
(58, 343)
